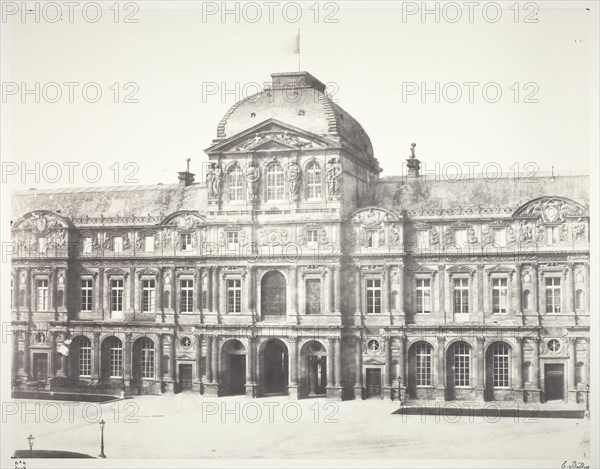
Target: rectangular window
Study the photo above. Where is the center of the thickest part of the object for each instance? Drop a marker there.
(85, 358)
(461, 295)
(233, 240)
(553, 295)
(116, 359)
(313, 296)
(42, 244)
(149, 243)
(460, 237)
(312, 236)
(500, 236)
(423, 356)
(552, 235)
(118, 244)
(42, 295)
(148, 295)
(186, 241)
(116, 295)
(373, 296)
(500, 295)
(87, 245)
(187, 296)
(86, 294)
(462, 365)
(422, 239)
(372, 239)
(234, 296)
(423, 296)
(147, 359)
(500, 366)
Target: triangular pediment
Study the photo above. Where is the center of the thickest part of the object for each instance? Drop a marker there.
(421, 269)
(460, 269)
(272, 135)
(373, 361)
(499, 269)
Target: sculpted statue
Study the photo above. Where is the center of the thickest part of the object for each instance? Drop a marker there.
(252, 179)
(434, 238)
(578, 230)
(294, 179)
(217, 181)
(210, 179)
(525, 231)
(333, 176)
(511, 238)
(472, 236)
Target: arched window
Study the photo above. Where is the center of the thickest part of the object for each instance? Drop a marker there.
(234, 183)
(273, 294)
(526, 299)
(423, 364)
(501, 366)
(579, 299)
(462, 365)
(115, 358)
(275, 188)
(147, 358)
(313, 181)
(85, 357)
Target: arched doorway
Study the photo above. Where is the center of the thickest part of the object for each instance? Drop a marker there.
(273, 294)
(274, 367)
(497, 371)
(233, 369)
(420, 371)
(112, 358)
(313, 368)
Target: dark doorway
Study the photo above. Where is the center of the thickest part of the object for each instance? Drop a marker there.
(237, 375)
(373, 382)
(185, 377)
(317, 375)
(273, 294)
(40, 366)
(276, 368)
(554, 381)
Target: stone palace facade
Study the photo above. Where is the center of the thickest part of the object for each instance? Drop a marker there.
(295, 268)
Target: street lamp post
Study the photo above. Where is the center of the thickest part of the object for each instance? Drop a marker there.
(400, 389)
(30, 439)
(102, 423)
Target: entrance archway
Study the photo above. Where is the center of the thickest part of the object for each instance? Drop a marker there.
(274, 367)
(313, 369)
(233, 370)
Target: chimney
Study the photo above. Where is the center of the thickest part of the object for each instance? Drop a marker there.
(296, 80)
(412, 163)
(185, 177)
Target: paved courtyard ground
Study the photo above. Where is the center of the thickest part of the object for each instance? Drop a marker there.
(191, 426)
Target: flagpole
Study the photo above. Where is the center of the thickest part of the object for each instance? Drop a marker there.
(298, 48)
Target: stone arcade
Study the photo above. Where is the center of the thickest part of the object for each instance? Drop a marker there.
(294, 268)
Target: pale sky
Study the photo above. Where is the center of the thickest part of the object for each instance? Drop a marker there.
(367, 58)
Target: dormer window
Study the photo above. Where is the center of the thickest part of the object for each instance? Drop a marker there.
(186, 241)
(275, 186)
(372, 239)
(552, 235)
(252, 115)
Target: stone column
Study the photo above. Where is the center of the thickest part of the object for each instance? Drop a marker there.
(127, 363)
(402, 369)
(172, 384)
(480, 289)
(357, 290)
(533, 389)
(15, 353)
(159, 360)
(401, 289)
(516, 279)
(441, 288)
(440, 383)
(358, 387)
(96, 358)
(293, 293)
(52, 353)
(387, 375)
(535, 301)
(248, 290)
(197, 383)
(330, 367)
(293, 357)
(250, 379)
(197, 290)
(338, 363)
(215, 290)
(26, 355)
(518, 384)
(480, 363)
(570, 308)
(330, 290)
(337, 292)
(209, 369)
(572, 379)
(212, 388)
(586, 367)
(385, 291)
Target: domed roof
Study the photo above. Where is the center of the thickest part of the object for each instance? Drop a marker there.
(298, 99)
